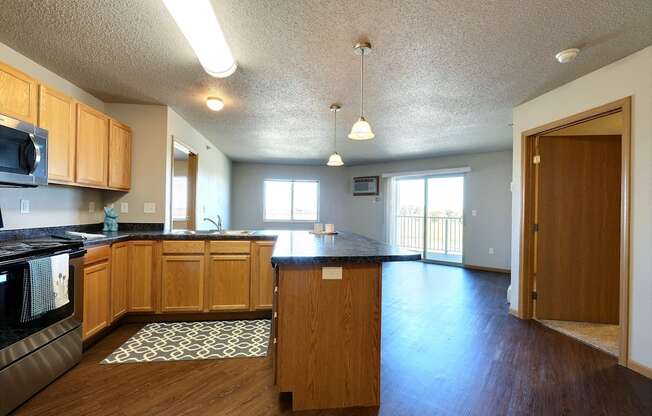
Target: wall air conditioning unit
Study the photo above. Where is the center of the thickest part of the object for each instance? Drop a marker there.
(365, 185)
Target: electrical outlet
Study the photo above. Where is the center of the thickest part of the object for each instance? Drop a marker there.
(149, 208)
(24, 206)
(474, 213)
(124, 207)
(91, 207)
(491, 250)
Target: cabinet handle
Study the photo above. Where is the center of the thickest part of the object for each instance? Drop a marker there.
(275, 315)
(275, 289)
(274, 340)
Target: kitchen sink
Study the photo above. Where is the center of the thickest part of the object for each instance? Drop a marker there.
(234, 232)
(185, 232)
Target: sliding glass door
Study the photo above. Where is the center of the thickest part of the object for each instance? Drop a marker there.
(429, 216)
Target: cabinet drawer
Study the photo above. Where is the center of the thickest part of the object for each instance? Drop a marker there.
(183, 247)
(96, 254)
(230, 247)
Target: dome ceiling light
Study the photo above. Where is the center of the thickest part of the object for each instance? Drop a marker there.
(361, 129)
(335, 159)
(567, 55)
(214, 103)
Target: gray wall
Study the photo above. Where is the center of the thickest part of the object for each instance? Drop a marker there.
(487, 190)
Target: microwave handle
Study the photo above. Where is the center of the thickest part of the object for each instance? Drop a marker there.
(33, 164)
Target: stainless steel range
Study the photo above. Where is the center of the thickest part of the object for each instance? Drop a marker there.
(35, 349)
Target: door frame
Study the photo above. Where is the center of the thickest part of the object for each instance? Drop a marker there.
(193, 168)
(528, 195)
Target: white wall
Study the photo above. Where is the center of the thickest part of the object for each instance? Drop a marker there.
(52, 205)
(149, 128)
(213, 176)
(486, 191)
(631, 76)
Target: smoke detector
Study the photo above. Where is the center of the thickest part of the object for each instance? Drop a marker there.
(567, 55)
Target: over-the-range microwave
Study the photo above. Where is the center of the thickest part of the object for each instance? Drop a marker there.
(23, 153)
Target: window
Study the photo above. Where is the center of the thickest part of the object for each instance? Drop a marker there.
(180, 198)
(289, 200)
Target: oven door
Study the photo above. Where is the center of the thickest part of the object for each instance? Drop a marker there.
(18, 339)
(23, 153)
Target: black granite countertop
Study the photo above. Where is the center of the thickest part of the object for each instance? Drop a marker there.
(114, 237)
(302, 247)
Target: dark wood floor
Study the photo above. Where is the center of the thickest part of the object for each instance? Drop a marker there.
(449, 348)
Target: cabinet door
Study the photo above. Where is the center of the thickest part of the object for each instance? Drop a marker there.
(18, 94)
(183, 283)
(92, 147)
(228, 282)
(262, 275)
(57, 115)
(140, 286)
(119, 156)
(96, 299)
(119, 279)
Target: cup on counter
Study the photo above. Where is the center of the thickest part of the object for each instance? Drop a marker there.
(318, 228)
(329, 228)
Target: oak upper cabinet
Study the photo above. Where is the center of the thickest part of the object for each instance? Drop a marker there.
(261, 275)
(182, 283)
(92, 147)
(18, 94)
(57, 114)
(228, 282)
(96, 315)
(141, 286)
(119, 279)
(119, 156)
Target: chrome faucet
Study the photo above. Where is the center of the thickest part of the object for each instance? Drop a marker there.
(218, 224)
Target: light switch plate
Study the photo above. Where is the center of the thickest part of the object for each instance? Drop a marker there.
(124, 207)
(474, 212)
(149, 208)
(331, 273)
(491, 250)
(24, 206)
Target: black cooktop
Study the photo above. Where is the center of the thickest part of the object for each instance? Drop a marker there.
(16, 249)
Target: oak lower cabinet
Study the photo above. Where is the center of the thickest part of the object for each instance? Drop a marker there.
(182, 278)
(261, 275)
(228, 282)
(119, 279)
(97, 293)
(142, 289)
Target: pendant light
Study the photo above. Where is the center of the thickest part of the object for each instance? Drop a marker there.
(361, 129)
(335, 159)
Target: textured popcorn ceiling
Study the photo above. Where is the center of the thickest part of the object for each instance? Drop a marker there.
(442, 78)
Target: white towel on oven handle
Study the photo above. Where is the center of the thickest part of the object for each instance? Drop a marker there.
(60, 279)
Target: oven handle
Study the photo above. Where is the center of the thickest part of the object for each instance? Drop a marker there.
(33, 164)
(73, 253)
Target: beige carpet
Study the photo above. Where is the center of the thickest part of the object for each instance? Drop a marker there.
(601, 336)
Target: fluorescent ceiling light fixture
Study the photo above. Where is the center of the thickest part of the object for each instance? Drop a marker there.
(199, 25)
(214, 103)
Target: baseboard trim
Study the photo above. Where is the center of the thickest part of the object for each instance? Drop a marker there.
(486, 269)
(514, 312)
(640, 368)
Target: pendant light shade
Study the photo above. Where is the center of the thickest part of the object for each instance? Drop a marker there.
(361, 129)
(335, 159)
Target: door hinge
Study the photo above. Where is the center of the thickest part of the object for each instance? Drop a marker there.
(535, 227)
(534, 295)
(536, 160)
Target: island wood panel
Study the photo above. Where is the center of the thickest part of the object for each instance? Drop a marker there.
(19, 94)
(328, 352)
(261, 275)
(92, 156)
(182, 283)
(142, 291)
(119, 279)
(119, 155)
(57, 114)
(96, 298)
(228, 282)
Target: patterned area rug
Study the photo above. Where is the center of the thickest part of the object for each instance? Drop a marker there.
(178, 341)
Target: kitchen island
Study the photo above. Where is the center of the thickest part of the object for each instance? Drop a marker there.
(327, 314)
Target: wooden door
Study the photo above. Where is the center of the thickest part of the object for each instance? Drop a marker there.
(57, 114)
(183, 283)
(119, 279)
(119, 156)
(96, 299)
(577, 264)
(92, 147)
(262, 275)
(228, 282)
(18, 94)
(140, 285)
